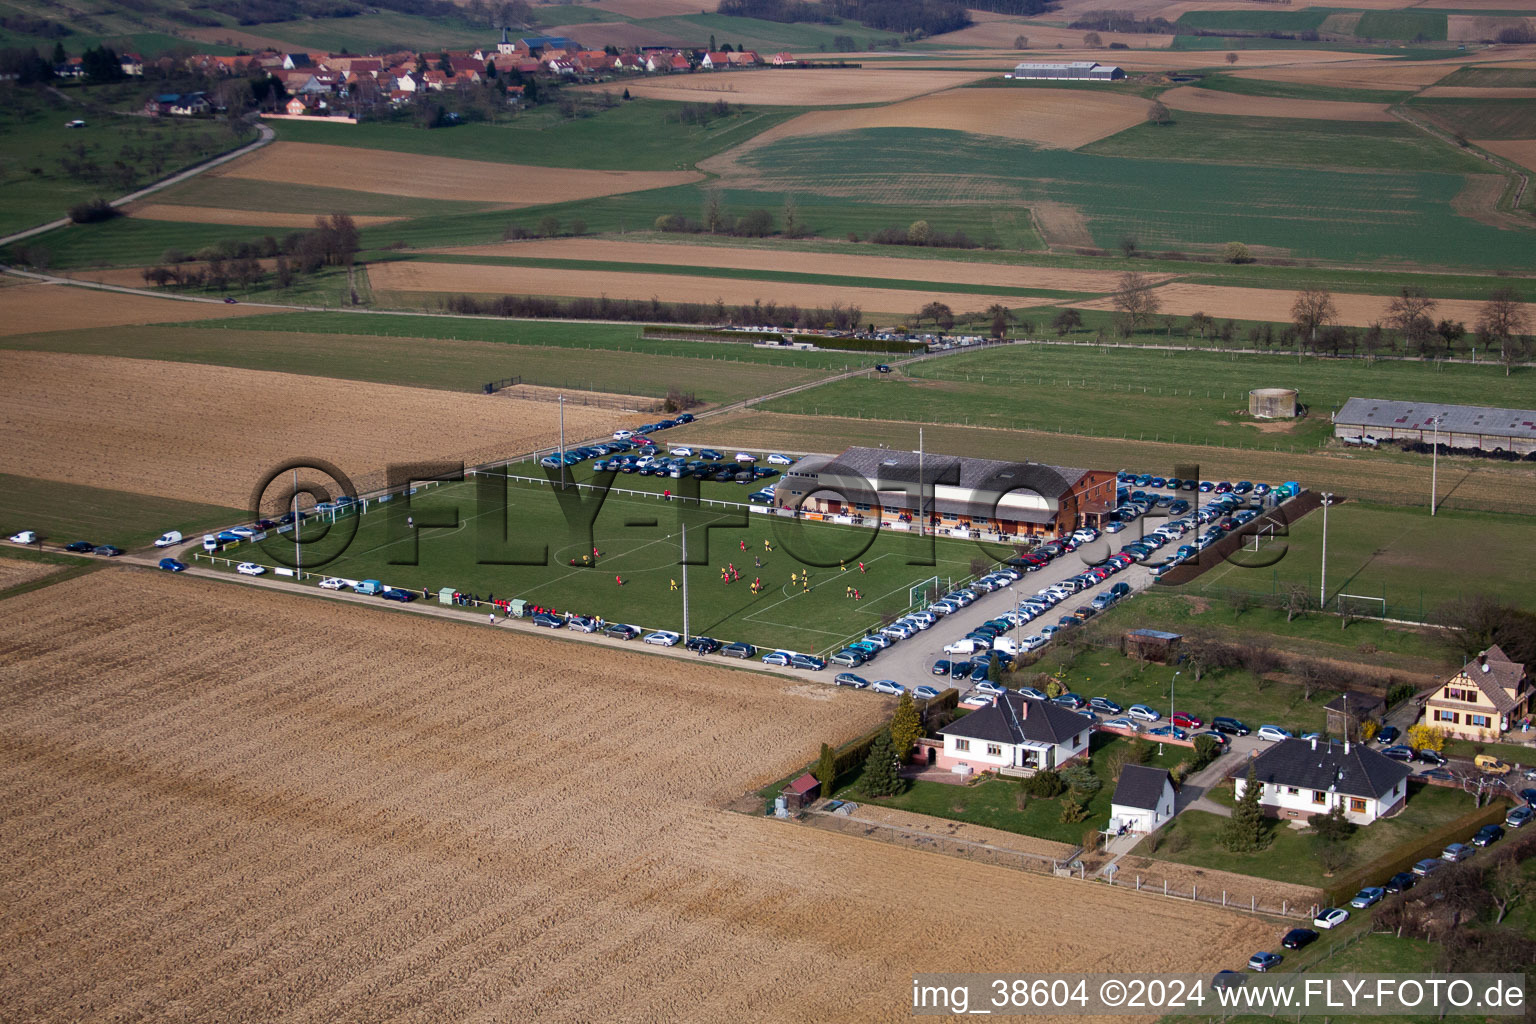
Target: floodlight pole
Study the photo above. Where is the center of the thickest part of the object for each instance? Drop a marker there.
(685, 584)
(298, 560)
(1322, 594)
(921, 512)
(1434, 466)
(562, 441)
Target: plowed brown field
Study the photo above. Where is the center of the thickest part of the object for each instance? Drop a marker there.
(485, 280)
(1209, 101)
(220, 804)
(1266, 304)
(840, 264)
(821, 88)
(35, 308)
(14, 572)
(1474, 28)
(1468, 92)
(1521, 151)
(439, 177)
(209, 433)
(219, 215)
(1365, 75)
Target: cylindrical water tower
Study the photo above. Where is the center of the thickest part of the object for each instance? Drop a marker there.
(1272, 403)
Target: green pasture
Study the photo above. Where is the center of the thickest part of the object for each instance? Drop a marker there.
(36, 187)
(1297, 91)
(69, 512)
(284, 197)
(481, 540)
(1113, 392)
(638, 135)
(1311, 19)
(1416, 562)
(1417, 25)
(1492, 78)
(1480, 119)
(1295, 142)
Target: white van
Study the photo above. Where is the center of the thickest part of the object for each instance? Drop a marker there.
(168, 538)
(210, 543)
(24, 537)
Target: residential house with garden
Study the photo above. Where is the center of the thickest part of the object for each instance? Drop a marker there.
(1300, 778)
(1013, 734)
(1488, 697)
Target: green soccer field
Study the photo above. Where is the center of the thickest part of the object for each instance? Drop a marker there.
(464, 540)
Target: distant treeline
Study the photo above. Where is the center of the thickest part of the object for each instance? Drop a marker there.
(254, 12)
(1123, 21)
(925, 17)
(759, 314)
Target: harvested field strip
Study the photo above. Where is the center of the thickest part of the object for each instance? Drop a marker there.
(1480, 485)
(372, 820)
(258, 218)
(445, 277)
(31, 308)
(1002, 33)
(1521, 151)
(1261, 304)
(1363, 75)
(732, 273)
(14, 572)
(1493, 77)
(1488, 119)
(720, 373)
(508, 185)
(819, 88)
(1472, 93)
(1209, 101)
(1301, 90)
(250, 194)
(76, 419)
(942, 267)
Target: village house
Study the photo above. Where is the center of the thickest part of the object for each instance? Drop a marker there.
(1014, 732)
(177, 104)
(1488, 697)
(715, 61)
(1144, 799)
(132, 64)
(784, 59)
(743, 59)
(1300, 778)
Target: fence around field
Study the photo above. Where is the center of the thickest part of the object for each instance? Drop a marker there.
(491, 387)
(985, 853)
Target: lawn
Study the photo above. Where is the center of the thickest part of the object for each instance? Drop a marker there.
(640, 135)
(717, 373)
(1112, 392)
(70, 512)
(1194, 838)
(47, 168)
(1231, 692)
(518, 544)
(1295, 142)
(993, 801)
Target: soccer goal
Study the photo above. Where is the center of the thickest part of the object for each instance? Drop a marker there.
(1262, 536)
(924, 592)
(1362, 606)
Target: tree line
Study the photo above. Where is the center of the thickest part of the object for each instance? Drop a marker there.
(654, 310)
(914, 18)
(1502, 327)
(333, 242)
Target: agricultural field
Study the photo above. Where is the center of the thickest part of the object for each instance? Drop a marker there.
(1485, 119)
(819, 88)
(1211, 101)
(1183, 298)
(76, 419)
(65, 512)
(296, 789)
(34, 308)
(1480, 485)
(523, 546)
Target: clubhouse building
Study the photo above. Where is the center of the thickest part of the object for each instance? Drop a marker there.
(951, 495)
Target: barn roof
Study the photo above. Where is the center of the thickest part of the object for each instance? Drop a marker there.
(1460, 419)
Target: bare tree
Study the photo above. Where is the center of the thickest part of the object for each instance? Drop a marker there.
(1409, 312)
(1296, 600)
(1157, 113)
(1021, 42)
(1092, 39)
(1501, 321)
(1312, 675)
(1507, 886)
(1231, 58)
(941, 315)
(1136, 298)
(1312, 310)
(1000, 318)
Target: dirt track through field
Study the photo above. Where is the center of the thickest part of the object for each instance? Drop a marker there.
(342, 814)
(36, 308)
(1269, 304)
(439, 177)
(219, 215)
(451, 277)
(1521, 151)
(1209, 101)
(817, 88)
(839, 264)
(215, 431)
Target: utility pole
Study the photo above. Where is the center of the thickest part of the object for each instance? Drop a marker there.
(685, 585)
(921, 512)
(298, 560)
(1322, 593)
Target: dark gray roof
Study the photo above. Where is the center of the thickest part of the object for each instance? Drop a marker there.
(1355, 703)
(1014, 718)
(1155, 634)
(1460, 419)
(1499, 678)
(861, 474)
(1361, 772)
(1141, 786)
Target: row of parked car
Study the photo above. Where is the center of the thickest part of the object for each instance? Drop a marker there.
(1174, 483)
(1332, 917)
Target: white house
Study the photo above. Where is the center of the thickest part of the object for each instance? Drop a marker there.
(1299, 778)
(1014, 732)
(1143, 800)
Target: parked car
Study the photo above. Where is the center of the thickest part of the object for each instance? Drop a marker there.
(663, 638)
(1070, 700)
(989, 687)
(1428, 866)
(1142, 713)
(110, 550)
(397, 594)
(622, 631)
(1401, 882)
(808, 662)
(780, 460)
(1490, 765)
(1368, 897)
(1169, 731)
(1299, 938)
(1457, 852)
(333, 583)
(1273, 733)
(1186, 720)
(170, 537)
(1262, 962)
(779, 658)
(1230, 726)
(80, 547)
(1487, 835)
(172, 565)
(738, 650)
(1398, 753)
(1105, 705)
(890, 687)
(1433, 757)
(1388, 735)
(250, 569)
(1518, 817)
(1330, 918)
(925, 693)
(849, 679)
(704, 644)
(544, 620)
(1120, 723)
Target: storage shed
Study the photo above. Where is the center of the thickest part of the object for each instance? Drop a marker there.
(1151, 644)
(445, 595)
(801, 793)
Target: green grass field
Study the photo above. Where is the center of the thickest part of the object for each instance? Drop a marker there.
(35, 184)
(640, 135)
(1186, 396)
(1480, 119)
(69, 512)
(1492, 78)
(1194, 838)
(1255, 21)
(639, 538)
(1297, 90)
(766, 37)
(277, 197)
(1418, 26)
